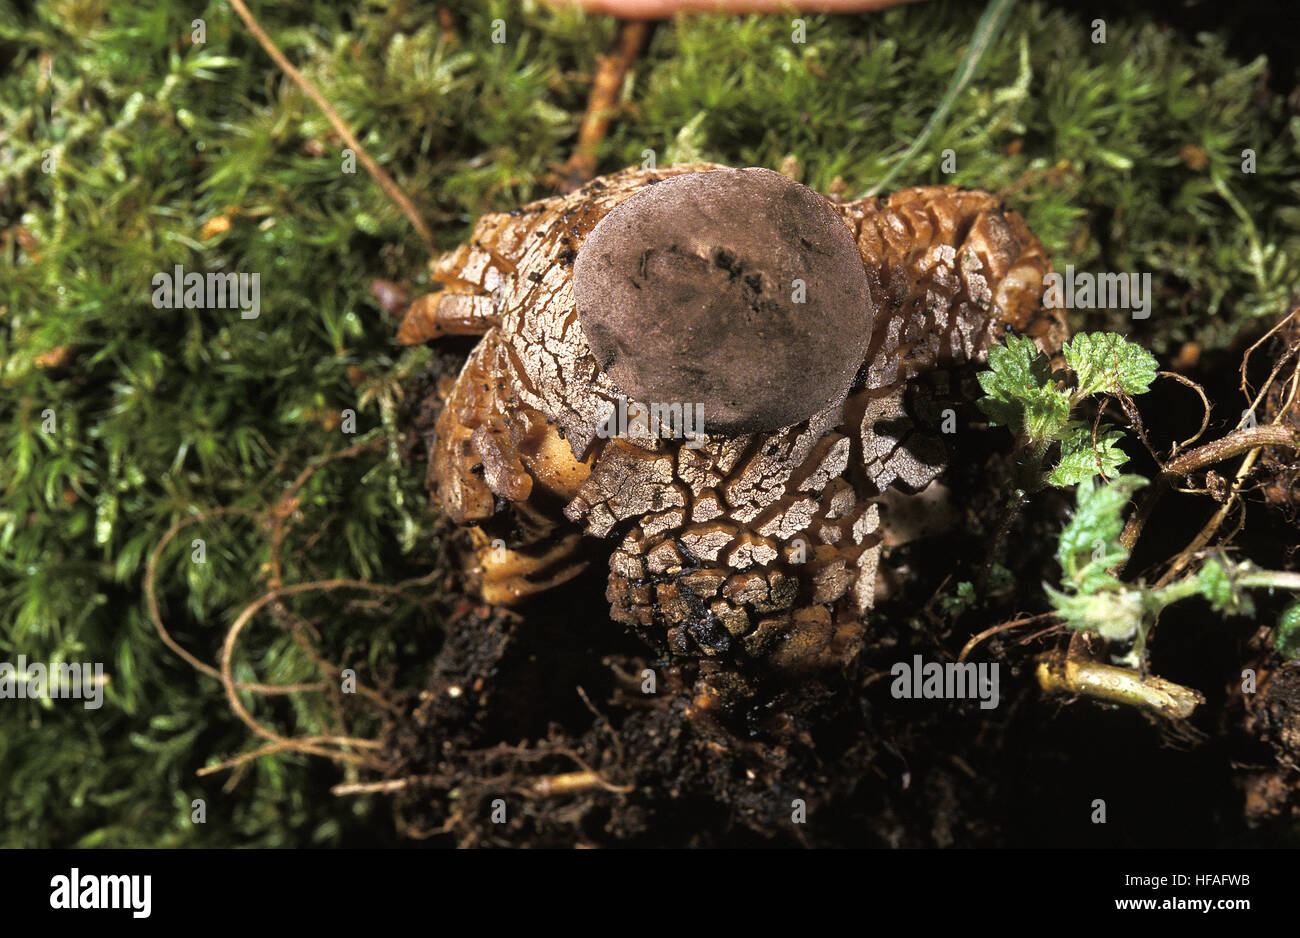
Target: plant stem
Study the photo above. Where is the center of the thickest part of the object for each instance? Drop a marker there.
(1273, 579)
(1157, 599)
(606, 85)
(1029, 480)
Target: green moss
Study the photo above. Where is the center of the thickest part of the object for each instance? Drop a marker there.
(161, 413)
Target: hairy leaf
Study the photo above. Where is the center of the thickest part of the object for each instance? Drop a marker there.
(1089, 544)
(1021, 393)
(1080, 459)
(1106, 362)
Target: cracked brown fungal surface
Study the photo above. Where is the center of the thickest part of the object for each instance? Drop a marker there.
(762, 537)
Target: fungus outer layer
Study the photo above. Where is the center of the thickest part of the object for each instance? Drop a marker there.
(737, 289)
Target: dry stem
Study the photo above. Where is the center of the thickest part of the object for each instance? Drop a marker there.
(610, 73)
(391, 189)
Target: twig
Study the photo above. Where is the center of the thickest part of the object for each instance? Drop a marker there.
(1234, 444)
(376, 172)
(1206, 534)
(1270, 579)
(1000, 627)
(1245, 362)
(1028, 480)
(234, 762)
(1205, 408)
(1239, 441)
(284, 514)
(1010, 512)
(610, 73)
(284, 518)
(604, 724)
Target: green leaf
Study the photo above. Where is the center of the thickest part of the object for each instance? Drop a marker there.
(1092, 598)
(1216, 586)
(1115, 614)
(964, 598)
(1020, 391)
(1089, 544)
(1287, 637)
(1106, 362)
(1216, 583)
(1081, 460)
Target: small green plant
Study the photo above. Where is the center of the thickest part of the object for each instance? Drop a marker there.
(1023, 393)
(1037, 404)
(1092, 598)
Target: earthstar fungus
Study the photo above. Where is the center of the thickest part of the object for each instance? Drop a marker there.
(677, 285)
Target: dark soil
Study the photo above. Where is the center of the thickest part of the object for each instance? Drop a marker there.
(521, 700)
